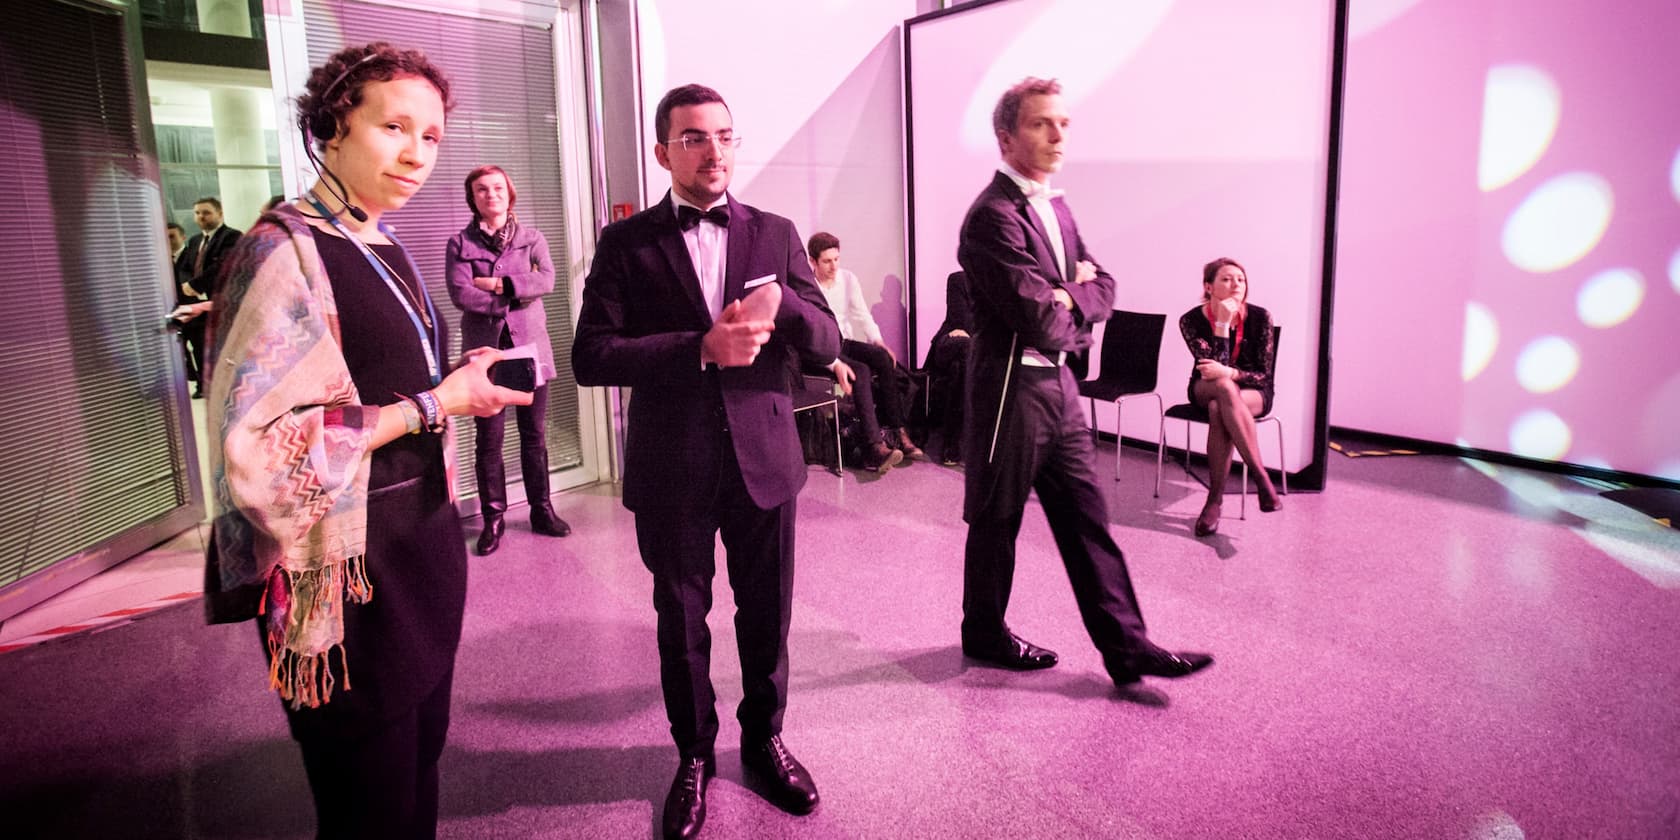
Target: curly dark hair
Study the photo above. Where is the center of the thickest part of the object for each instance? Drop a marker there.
(335, 88)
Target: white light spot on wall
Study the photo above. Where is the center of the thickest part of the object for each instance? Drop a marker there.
(1547, 364)
(1540, 434)
(1610, 297)
(1674, 271)
(1481, 338)
(1674, 175)
(1559, 223)
(1669, 470)
(1520, 107)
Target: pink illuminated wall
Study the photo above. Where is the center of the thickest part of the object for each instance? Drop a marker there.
(1508, 274)
(1200, 129)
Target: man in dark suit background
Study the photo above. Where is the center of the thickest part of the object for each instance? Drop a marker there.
(1036, 292)
(201, 264)
(711, 445)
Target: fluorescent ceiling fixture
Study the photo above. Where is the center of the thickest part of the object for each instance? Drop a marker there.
(1540, 434)
(1079, 42)
(1610, 297)
(1547, 364)
(1520, 109)
(1481, 338)
(1559, 223)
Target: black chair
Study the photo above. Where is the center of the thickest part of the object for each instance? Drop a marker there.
(1131, 356)
(1191, 413)
(810, 391)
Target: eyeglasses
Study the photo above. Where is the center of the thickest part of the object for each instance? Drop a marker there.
(692, 142)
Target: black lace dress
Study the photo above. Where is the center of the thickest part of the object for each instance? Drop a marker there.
(1253, 359)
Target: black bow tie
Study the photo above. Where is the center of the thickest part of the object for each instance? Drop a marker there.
(688, 217)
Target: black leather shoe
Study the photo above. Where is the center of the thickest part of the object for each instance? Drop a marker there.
(1014, 653)
(548, 523)
(685, 805)
(1158, 662)
(491, 537)
(788, 785)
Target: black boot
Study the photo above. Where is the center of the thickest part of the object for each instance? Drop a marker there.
(491, 537)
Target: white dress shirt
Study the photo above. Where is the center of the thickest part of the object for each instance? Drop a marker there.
(1038, 198)
(708, 249)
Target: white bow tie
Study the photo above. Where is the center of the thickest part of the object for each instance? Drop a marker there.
(1035, 189)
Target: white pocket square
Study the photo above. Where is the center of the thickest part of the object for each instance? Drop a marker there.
(768, 278)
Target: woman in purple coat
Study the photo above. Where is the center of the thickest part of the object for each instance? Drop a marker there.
(498, 272)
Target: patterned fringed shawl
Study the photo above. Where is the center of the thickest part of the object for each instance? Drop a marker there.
(291, 465)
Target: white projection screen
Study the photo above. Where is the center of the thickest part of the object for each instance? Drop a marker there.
(1200, 129)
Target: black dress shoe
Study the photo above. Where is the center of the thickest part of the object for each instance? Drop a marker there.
(685, 805)
(491, 537)
(1158, 662)
(548, 523)
(788, 785)
(1014, 653)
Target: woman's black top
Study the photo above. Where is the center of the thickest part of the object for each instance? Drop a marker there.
(400, 645)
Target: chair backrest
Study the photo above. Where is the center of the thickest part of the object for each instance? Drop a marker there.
(1131, 350)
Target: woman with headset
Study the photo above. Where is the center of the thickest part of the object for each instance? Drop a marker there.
(335, 528)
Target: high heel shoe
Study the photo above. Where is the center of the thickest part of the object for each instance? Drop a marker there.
(1208, 522)
(1269, 499)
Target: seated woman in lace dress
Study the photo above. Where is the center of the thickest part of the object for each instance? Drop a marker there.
(1231, 342)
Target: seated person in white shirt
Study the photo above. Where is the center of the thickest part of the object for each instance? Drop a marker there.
(866, 369)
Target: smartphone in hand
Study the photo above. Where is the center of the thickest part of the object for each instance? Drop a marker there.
(517, 374)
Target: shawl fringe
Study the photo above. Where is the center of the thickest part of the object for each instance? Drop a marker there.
(301, 675)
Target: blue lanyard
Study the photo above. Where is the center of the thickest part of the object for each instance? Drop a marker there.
(391, 283)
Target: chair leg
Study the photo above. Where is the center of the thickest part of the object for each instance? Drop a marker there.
(1119, 407)
(1283, 467)
(839, 461)
(1160, 452)
(1242, 513)
(1160, 438)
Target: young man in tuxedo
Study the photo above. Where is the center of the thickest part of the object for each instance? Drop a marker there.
(1035, 294)
(695, 304)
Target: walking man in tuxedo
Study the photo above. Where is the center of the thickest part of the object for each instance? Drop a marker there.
(201, 263)
(1035, 293)
(696, 304)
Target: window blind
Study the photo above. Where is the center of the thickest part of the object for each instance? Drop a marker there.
(93, 431)
(502, 77)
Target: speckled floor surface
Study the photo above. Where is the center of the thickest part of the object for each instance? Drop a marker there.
(1428, 649)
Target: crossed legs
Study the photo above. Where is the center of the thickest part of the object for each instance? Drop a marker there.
(1231, 412)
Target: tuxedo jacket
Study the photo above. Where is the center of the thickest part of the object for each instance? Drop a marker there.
(221, 244)
(640, 326)
(1011, 267)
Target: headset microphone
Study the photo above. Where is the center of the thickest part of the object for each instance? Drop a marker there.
(321, 169)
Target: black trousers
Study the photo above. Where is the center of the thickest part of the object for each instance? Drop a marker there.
(533, 454)
(383, 783)
(1046, 445)
(877, 393)
(192, 347)
(758, 546)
